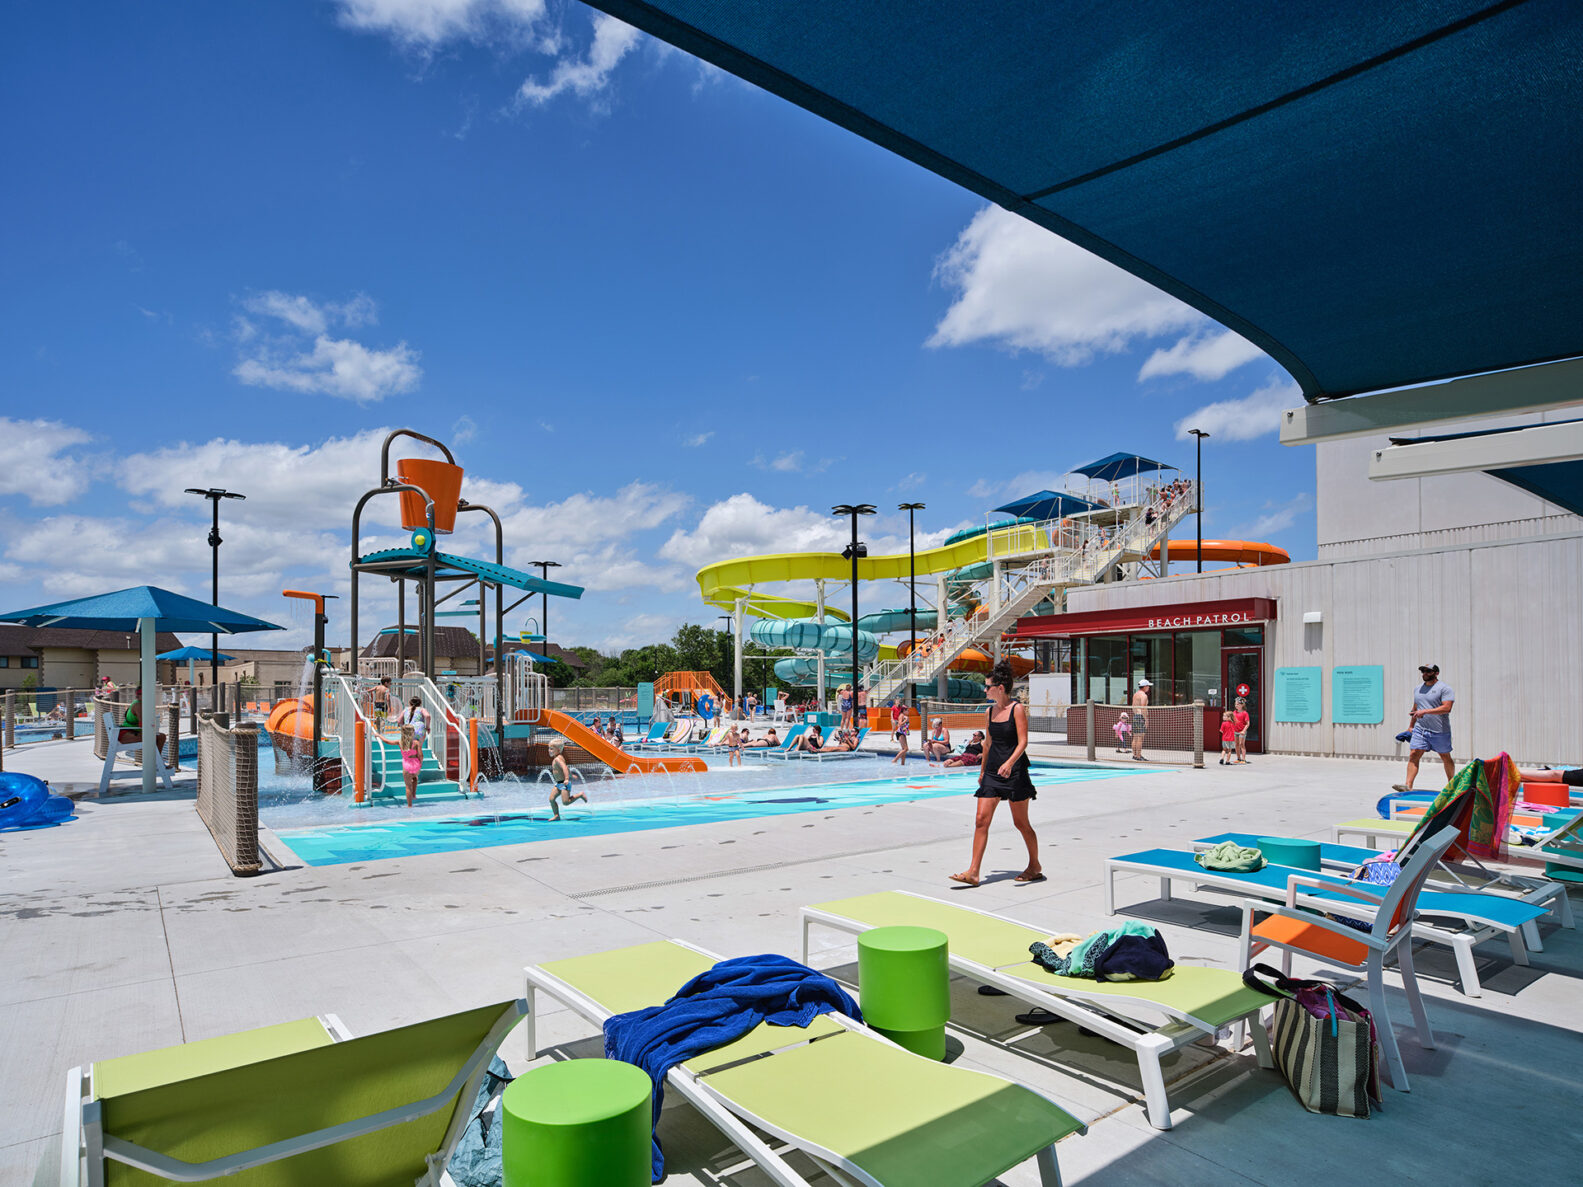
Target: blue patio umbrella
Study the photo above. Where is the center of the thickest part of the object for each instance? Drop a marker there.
(146, 609)
(1120, 465)
(1047, 504)
(192, 655)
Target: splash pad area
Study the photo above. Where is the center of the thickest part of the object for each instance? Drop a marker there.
(514, 810)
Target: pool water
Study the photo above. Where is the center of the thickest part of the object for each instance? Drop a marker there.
(471, 829)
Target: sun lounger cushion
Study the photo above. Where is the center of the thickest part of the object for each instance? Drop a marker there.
(1507, 913)
(237, 1102)
(718, 1006)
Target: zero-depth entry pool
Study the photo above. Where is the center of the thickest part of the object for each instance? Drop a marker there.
(338, 844)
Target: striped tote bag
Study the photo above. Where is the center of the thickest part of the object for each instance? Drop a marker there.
(1324, 1043)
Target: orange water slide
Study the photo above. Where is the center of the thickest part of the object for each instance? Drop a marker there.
(614, 757)
(1238, 552)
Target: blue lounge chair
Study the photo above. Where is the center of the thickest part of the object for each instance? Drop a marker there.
(1482, 916)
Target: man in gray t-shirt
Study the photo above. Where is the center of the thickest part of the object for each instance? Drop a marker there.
(1431, 717)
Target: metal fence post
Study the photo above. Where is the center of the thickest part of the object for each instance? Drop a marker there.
(10, 719)
(71, 713)
(1088, 716)
(1198, 734)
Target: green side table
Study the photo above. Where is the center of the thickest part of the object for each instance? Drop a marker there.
(904, 986)
(576, 1123)
(1290, 851)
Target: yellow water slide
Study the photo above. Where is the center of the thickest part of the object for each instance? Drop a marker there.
(723, 583)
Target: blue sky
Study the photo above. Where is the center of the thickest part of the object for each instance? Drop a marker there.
(663, 317)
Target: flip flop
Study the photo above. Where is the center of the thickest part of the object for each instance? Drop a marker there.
(1035, 878)
(963, 879)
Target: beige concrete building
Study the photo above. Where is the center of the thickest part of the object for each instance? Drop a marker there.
(56, 657)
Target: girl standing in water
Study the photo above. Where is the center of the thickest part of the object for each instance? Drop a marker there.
(1004, 776)
(414, 728)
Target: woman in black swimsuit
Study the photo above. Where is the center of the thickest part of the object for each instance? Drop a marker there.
(1004, 776)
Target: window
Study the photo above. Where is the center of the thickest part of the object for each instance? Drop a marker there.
(5, 661)
(30, 661)
(1245, 636)
(1198, 667)
(1104, 675)
(1151, 660)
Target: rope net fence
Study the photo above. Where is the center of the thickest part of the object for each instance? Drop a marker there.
(228, 790)
(1165, 733)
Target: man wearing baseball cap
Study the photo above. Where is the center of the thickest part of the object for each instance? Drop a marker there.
(1431, 717)
(1140, 719)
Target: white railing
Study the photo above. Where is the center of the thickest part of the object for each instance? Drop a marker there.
(1068, 553)
(441, 716)
(344, 707)
(471, 696)
(527, 691)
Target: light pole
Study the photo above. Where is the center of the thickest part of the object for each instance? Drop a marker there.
(912, 590)
(1198, 493)
(544, 568)
(214, 495)
(852, 552)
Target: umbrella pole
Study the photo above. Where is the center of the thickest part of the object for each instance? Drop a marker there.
(147, 720)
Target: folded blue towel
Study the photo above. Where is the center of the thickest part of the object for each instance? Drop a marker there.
(718, 1007)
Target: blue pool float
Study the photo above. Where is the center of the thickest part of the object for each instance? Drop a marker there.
(25, 802)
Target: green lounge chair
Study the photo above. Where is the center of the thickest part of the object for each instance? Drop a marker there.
(281, 1106)
(863, 1108)
(1192, 1004)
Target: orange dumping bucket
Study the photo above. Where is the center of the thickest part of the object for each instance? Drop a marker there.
(441, 480)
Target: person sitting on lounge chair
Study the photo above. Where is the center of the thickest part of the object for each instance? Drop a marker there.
(937, 746)
(972, 754)
(1572, 778)
(132, 723)
(841, 740)
(812, 741)
(768, 740)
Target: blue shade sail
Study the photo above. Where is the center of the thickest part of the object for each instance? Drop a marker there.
(1375, 194)
(122, 610)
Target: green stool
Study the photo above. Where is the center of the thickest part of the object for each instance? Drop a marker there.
(578, 1122)
(904, 986)
(1289, 851)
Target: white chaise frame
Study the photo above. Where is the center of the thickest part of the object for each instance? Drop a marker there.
(736, 1123)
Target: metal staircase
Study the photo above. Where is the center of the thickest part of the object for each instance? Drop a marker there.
(1063, 556)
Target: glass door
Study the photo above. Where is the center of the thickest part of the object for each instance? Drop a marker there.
(1242, 670)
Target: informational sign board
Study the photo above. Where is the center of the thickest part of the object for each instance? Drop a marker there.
(1357, 695)
(1299, 694)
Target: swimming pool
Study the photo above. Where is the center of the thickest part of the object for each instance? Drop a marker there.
(406, 837)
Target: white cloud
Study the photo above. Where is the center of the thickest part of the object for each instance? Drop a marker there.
(1203, 356)
(1277, 517)
(335, 367)
(331, 366)
(288, 487)
(588, 77)
(34, 461)
(911, 481)
(428, 24)
(1026, 483)
(743, 526)
(296, 311)
(463, 430)
(1246, 418)
(639, 630)
(1021, 286)
(700, 439)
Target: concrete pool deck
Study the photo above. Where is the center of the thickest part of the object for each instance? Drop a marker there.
(124, 931)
